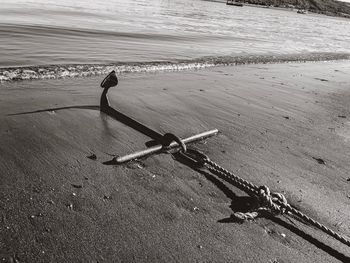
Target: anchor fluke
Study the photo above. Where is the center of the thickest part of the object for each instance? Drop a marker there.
(110, 81)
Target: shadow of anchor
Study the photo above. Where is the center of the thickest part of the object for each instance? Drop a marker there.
(110, 81)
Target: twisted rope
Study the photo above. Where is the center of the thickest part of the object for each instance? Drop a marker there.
(275, 203)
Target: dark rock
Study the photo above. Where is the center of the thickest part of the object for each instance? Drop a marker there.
(92, 156)
(319, 160)
(320, 79)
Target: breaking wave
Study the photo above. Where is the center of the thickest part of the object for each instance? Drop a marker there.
(86, 70)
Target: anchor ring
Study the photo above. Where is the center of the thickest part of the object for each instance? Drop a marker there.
(168, 138)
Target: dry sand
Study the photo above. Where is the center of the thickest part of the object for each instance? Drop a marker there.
(58, 205)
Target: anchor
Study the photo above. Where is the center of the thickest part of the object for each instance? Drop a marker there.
(164, 142)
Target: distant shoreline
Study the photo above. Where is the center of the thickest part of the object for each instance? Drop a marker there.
(293, 9)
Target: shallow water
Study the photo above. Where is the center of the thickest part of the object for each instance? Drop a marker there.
(155, 35)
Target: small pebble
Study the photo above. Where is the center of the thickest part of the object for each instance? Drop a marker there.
(195, 208)
(36, 190)
(106, 197)
(70, 206)
(74, 194)
(283, 235)
(200, 247)
(10, 259)
(139, 166)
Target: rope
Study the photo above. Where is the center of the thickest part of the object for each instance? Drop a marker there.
(274, 203)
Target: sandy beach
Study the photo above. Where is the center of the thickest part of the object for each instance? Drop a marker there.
(276, 122)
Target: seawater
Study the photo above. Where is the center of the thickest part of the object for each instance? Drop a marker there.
(54, 39)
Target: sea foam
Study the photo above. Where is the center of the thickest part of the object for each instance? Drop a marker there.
(87, 70)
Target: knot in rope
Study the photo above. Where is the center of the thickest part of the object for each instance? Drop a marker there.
(168, 138)
(272, 201)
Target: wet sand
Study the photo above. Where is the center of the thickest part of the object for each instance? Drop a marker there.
(275, 121)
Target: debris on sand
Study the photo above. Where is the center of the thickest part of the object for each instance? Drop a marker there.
(319, 160)
(342, 116)
(77, 185)
(348, 179)
(92, 157)
(11, 259)
(107, 197)
(286, 117)
(320, 79)
(37, 215)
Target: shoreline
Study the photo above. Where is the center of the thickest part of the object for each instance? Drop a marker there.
(62, 71)
(274, 120)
